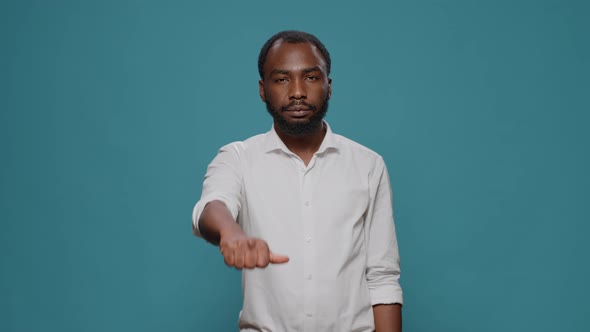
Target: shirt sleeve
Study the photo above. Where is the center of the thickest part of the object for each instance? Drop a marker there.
(383, 262)
(223, 182)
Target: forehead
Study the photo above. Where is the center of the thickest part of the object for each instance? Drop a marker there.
(293, 56)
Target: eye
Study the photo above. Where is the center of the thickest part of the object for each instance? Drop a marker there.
(312, 78)
(281, 80)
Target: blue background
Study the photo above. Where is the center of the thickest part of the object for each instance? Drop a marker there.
(111, 111)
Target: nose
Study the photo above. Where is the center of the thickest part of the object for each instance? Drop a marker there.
(297, 90)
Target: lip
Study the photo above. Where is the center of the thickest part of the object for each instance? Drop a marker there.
(298, 112)
(297, 108)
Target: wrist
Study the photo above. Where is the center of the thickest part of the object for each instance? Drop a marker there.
(232, 231)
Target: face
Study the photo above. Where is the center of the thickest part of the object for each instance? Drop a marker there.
(296, 87)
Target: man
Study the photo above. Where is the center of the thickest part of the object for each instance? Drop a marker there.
(305, 212)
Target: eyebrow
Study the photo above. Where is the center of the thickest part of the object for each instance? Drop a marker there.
(287, 72)
(312, 69)
(279, 72)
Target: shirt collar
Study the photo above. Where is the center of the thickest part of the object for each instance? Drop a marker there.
(273, 141)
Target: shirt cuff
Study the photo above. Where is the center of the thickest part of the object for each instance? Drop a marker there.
(387, 295)
(200, 206)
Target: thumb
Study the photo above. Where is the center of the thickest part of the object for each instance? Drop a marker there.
(278, 259)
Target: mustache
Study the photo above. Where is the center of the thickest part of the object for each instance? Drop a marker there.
(298, 103)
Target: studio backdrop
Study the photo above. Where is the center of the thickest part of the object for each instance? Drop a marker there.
(110, 112)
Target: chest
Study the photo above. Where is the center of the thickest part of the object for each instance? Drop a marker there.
(327, 188)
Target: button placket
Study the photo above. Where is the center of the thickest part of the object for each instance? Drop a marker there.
(307, 217)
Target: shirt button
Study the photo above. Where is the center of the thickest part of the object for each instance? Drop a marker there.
(307, 203)
(308, 239)
(309, 314)
(309, 277)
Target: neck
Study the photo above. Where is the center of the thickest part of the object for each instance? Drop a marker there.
(303, 145)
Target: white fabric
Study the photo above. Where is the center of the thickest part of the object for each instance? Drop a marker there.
(334, 220)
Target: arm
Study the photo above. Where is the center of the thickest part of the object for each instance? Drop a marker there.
(388, 317)
(238, 249)
(217, 221)
(383, 268)
(214, 216)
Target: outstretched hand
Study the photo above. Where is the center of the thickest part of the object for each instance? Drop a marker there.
(243, 252)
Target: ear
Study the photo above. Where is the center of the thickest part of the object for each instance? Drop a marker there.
(261, 91)
(329, 88)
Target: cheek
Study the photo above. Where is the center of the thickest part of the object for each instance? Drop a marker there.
(274, 96)
(322, 93)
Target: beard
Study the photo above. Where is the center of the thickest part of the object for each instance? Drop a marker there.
(314, 123)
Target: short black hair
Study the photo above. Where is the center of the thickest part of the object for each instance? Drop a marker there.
(294, 37)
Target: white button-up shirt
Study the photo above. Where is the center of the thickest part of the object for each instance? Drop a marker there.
(334, 220)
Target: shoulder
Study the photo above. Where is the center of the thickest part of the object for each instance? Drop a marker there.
(236, 153)
(357, 150)
(252, 143)
(361, 158)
